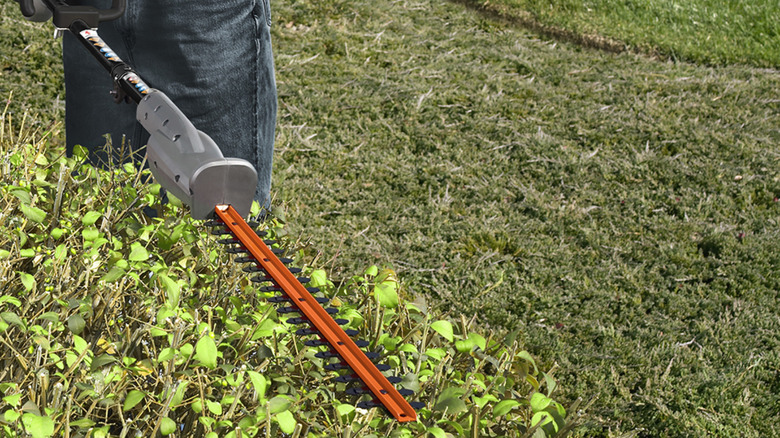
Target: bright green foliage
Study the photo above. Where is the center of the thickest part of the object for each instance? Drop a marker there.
(123, 316)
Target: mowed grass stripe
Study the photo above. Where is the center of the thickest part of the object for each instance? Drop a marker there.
(704, 31)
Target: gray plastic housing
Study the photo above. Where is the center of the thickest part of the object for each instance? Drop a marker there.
(187, 162)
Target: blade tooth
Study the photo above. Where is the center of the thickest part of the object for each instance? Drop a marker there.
(298, 320)
(322, 300)
(261, 279)
(369, 404)
(371, 355)
(357, 391)
(313, 290)
(382, 367)
(314, 343)
(285, 260)
(289, 309)
(417, 405)
(237, 250)
(296, 270)
(346, 378)
(394, 379)
(244, 259)
(221, 232)
(277, 251)
(405, 392)
(304, 280)
(341, 321)
(331, 310)
(269, 242)
(261, 233)
(214, 223)
(253, 224)
(254, 268)
(362, 343)
(231, 241)
(336, 366)
(351, 332)
(326, 354)
(279, 299)
(307, 331)
(269, 288)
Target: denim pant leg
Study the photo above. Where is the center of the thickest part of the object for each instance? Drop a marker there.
(214, 60)
(90, 112)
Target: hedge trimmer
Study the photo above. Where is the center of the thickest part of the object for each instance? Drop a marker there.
(188, 164)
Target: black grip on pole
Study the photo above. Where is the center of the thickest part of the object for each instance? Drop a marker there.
(28, 9)
(116, 11)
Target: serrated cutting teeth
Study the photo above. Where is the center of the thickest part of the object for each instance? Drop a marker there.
(316, 320)
(394, 379)
(346, 378)
(336, 366)
(326, 354)
(357, 391)
(417, 405)
(368, 404)
(298, 320)
(307, 331)
(290, 309)
(315, 343)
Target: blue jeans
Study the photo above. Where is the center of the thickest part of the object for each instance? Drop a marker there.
(213, 58)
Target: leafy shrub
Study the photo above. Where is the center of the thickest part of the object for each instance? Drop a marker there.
(115, 324)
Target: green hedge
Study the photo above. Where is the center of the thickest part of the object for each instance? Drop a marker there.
(115, 324)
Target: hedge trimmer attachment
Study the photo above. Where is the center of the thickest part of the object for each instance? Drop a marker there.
(187, 163)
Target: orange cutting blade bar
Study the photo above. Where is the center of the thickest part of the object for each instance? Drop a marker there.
(381, 388)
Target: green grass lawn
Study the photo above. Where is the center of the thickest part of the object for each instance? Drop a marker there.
(619, 212)
(706, 31)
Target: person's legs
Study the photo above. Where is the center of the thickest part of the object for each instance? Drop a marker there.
(90, 112)
(212, 58)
